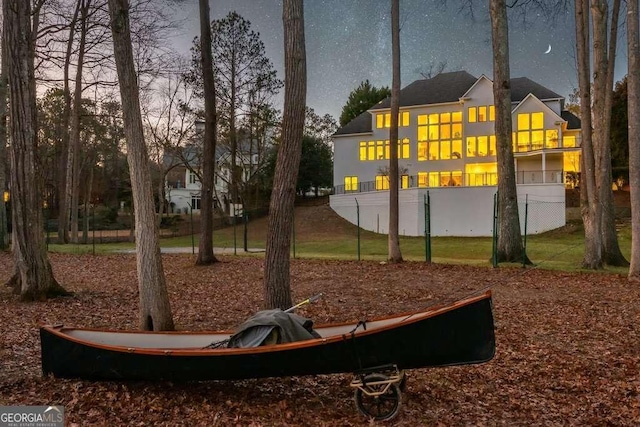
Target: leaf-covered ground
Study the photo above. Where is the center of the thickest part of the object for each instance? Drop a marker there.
(568, 350)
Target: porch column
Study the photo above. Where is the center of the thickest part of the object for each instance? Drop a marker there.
(544, 167)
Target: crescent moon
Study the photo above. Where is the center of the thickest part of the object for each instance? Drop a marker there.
(548, 49)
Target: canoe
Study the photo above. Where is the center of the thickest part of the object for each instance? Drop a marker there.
(453, 334)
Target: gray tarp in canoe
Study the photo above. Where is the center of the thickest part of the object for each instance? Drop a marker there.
(272, 327)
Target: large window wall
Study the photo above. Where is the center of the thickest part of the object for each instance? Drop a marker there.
(440, 136)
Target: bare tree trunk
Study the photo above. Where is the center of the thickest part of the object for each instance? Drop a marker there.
(73, 162)
(633, 94)
(611, 253)
(233, 135)
(277, 280)
(394, 256)
(509, 248)
(589, 203)
(34, 277)
(205, 247)
(4, 238)
(155, 309)
(63, 202)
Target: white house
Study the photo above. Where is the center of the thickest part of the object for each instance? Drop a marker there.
(183, 187)
(447, 148)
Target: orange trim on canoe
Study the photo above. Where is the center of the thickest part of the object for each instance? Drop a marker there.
(419, 315)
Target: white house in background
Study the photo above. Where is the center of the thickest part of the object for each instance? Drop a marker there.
(183, 188)
(447, 148)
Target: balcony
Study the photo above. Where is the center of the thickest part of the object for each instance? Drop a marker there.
(554, 144)
(440, 180)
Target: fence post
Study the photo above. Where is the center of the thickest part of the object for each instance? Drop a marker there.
(427, 227)
(193, 243)
(494, 240)
(234, 229)
(358, 224)
(526, 219)
(93, 227)
(245, 219)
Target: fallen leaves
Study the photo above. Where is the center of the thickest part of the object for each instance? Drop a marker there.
(568, 351)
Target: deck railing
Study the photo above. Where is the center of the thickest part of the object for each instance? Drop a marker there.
(447, 179)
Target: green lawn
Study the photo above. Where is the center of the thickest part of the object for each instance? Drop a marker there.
(559, 249)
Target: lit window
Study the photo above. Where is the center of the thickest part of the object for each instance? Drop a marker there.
(492, 113)
(405, 118)
(422, 132)
(435, 134)
(422, 151)
(445, 150)
(471, 146)
(371, 150)
(445, 131)
(551, 139)
(350, 183)
(537, 120)
(569, 141)
(434, 150)
(482, 114)
(403, 149)
(531, 134)
(456, 177)
(380, 150)
(423, 178)
(456, 149)
(492, 145)
(523, 141)
(481, 174)
(387, 120)
(379, 121)
(473, 114)
(523, 121)
(363, 150)
(434, 179)
(537, 139)
(571, 162)
(382, 182)
(483, 146)
(456, 130)
(404, 181)
(445, 177)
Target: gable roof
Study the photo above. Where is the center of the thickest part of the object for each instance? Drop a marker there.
(573, 122)
(522, 86)
(445, 87)
(532, 98)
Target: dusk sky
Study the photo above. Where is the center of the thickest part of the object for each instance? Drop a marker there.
(349, 41)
